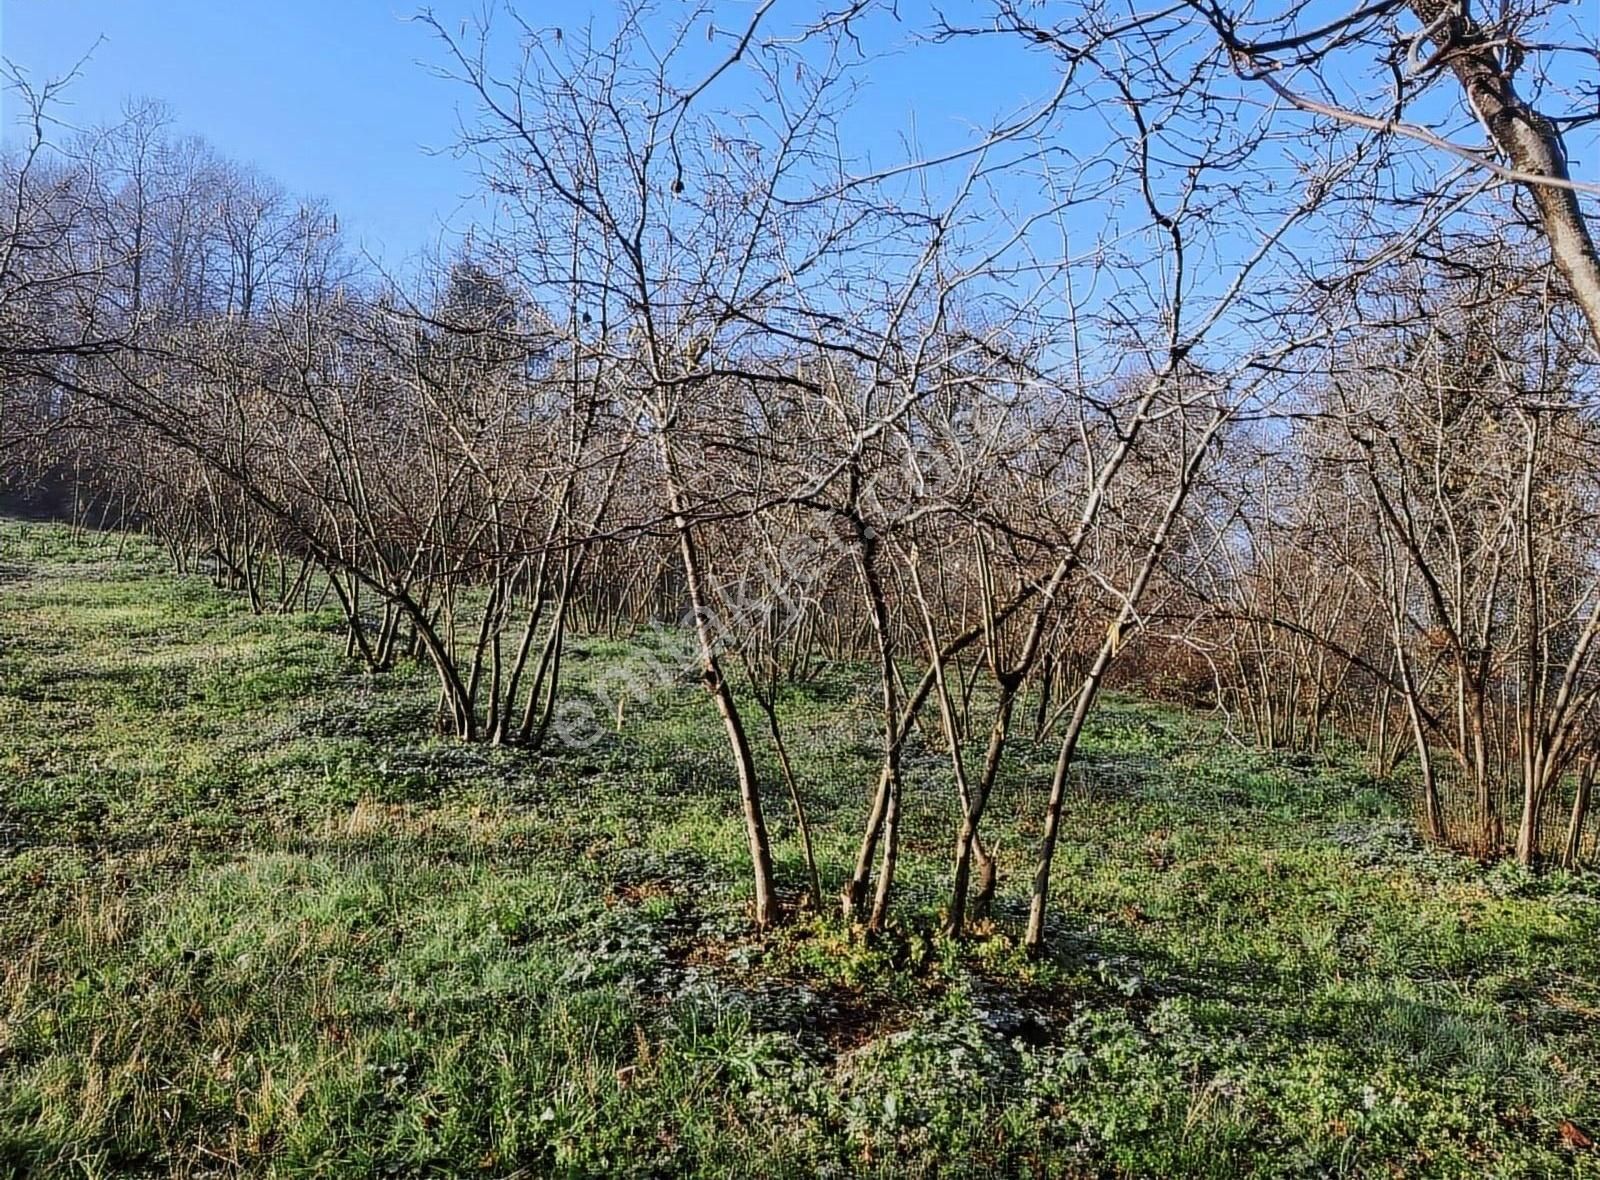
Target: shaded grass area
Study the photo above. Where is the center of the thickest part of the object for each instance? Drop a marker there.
(253, 921)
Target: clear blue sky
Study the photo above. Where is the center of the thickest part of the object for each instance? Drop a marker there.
(325, 97)
(333, 98)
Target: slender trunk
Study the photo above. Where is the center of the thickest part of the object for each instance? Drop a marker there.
(384, 652)
(968, 847)
(853, 897)
(879, 607)
(1109, 647)
(766, 893)
(487, 627)
(855, 891)
(1432, 813)
(1042, 711)
(548, 679)
(524, 644)
(356, 635)
(891, 853)
(1034, 939)
(768, 703)
(1573, 846)
(1540, 765)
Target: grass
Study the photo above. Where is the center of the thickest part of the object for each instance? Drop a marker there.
(253, 922)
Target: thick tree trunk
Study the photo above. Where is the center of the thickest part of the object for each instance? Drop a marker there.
(1529, 140)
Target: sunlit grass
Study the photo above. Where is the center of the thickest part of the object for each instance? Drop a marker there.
(254, 920)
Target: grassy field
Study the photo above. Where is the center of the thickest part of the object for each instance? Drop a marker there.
(253, 921)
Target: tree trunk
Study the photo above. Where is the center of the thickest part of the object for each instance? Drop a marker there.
(766, 892)
(1573, 846)
(1529, 140)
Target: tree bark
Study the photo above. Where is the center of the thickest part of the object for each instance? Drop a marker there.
(1529, 140)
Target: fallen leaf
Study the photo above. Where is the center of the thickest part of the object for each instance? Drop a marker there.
(1574, 1136)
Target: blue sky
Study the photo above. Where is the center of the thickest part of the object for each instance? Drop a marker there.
(326, 98)
(337, 100)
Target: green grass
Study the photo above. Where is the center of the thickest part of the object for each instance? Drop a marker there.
(253, 921)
